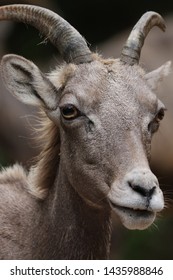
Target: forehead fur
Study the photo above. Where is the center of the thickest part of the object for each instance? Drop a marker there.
(98, 67)
(104, 77)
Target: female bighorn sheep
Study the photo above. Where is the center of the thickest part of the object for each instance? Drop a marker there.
(98, 120)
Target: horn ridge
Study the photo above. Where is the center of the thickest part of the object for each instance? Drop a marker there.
(132, 49)
(71, 45)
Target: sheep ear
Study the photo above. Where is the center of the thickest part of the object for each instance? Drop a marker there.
(155, 77)
(26, 82)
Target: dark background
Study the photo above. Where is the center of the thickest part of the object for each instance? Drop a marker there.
(97, 20)
(105, 25)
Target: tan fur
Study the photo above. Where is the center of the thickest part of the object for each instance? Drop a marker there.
(43, 172)
(60, 75)
(13, 175)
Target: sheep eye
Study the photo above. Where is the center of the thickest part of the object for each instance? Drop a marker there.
(154, 125)
(160, 115)
(69, 112)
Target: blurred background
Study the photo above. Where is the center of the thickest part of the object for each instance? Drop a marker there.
(105, 25)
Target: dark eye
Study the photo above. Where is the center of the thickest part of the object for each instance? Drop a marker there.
(154, 125)
(160, 115)
(69, 112)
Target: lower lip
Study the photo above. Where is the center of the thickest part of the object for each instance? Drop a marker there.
(135, 212)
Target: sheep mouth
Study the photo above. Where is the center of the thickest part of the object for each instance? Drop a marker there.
(138, 213)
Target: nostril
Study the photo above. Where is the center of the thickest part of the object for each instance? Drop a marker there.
(138, 189)
(151, 191)
(141, 190)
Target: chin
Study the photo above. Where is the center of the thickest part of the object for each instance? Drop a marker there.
(134, 218)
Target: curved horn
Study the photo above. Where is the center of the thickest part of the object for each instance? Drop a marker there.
(62, 35)
(132, 49)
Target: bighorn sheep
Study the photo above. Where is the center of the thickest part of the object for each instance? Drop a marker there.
(98, 120)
